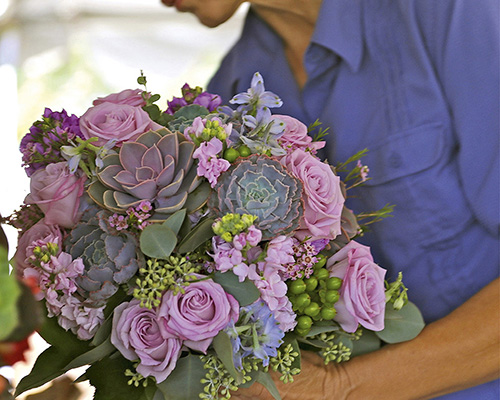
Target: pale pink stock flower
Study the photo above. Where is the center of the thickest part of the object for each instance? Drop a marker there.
(209, 165)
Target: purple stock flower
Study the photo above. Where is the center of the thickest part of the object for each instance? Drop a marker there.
(42, 145)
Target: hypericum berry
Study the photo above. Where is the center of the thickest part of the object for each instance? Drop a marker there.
(311, 283)
(312, 309)
(321, 274)
(244, 151)
(328, 313)
(304, 322)
(302, 300)
(298, 286)
(331, 296)
(231, 154)
(333, 283)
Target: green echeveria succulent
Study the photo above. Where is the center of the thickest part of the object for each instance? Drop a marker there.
(260, 186)
(157, 167)
(110, 258)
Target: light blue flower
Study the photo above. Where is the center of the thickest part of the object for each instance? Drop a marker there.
(256, 96)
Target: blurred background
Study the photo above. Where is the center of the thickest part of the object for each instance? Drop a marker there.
(65, 53)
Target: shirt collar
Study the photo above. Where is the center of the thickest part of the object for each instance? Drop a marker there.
(339, 29)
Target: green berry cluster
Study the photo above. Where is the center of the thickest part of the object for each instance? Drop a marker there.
(283, 362)
(161, 275)
(313, 299)
(218, 381)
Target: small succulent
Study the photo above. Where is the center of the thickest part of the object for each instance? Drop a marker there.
(158, 167)
(110, 258)
(260, 186)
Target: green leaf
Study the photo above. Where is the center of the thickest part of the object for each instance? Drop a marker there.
(49, 365)
(91, 356)
(184, 383)
(191, 112)
(153, 110)
(198, 197)
(108, 377)
(265, 380)
(199, 235)
(244, 292)
(176, 220)
(10, 292)
(401, 325)
(323, 327)
(368, 342)
(224, 349)
(158, 241)
(55, 335)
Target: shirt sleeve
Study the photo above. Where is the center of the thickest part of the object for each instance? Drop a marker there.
(463, 39)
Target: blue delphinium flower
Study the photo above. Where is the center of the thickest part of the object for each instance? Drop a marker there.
(256, 96)
(256, 334)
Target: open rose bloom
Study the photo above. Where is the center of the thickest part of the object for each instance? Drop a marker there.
(181, 253)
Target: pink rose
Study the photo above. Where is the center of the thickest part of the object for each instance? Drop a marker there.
(296, 136)
(37, 234)
(132, 97)
(323, 199)
(199, 314)
(138, 334)
(120, 122)
(57, 192)
(362, 294)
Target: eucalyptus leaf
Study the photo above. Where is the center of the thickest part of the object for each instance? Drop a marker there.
(55, 335)
(367, 343)
(264, 378)
(199, 235)
(91, 356)
(176, 220)
(158, 241)
(323, 327)
(401, 325)
(103, 332)
(244, 292)
(184, 383)
(224, 349)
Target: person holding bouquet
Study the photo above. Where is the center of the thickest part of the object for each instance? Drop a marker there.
(417, 83)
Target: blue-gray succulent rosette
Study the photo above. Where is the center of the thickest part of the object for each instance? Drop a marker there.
(183, 253)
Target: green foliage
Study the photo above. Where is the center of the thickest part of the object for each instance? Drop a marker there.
(175, 221)
(9, 295)
(93, 355)
(401, 325)
(195, 238)
(184, 383)
(367, 343)
(265, 380)
(158, 241)
(111, 383)
(244, 292)
(224, 349)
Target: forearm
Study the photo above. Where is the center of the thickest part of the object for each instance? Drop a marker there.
(459, 351)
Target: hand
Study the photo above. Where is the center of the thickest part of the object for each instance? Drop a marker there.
(316, 381)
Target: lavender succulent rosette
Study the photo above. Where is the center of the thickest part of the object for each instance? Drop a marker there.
(182, 253)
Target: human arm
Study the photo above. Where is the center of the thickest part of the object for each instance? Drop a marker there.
(458, 351)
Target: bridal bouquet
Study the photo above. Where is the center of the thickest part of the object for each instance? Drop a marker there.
(184, 253)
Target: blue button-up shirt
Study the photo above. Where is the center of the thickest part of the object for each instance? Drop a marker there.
(417, 83)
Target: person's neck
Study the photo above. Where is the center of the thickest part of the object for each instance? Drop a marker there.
(294, 22)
